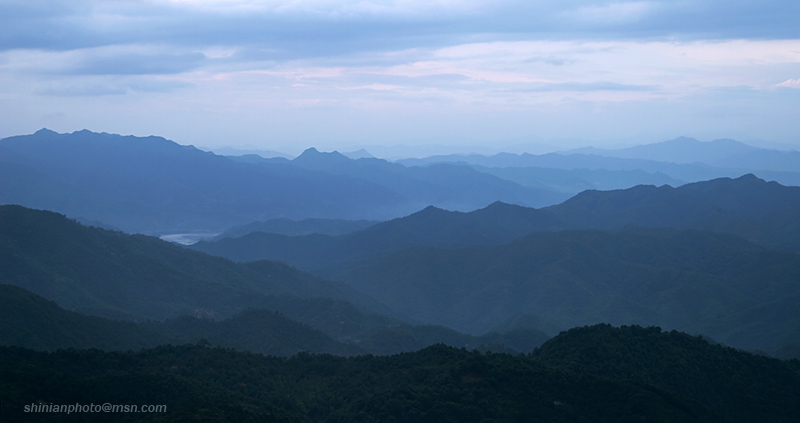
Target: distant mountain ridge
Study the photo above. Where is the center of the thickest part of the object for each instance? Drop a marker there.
(726, 153)
(155, 186)
(762, 212)
(684, 159)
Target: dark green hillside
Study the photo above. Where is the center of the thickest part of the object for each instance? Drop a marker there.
(407, 338)
(259, 331)
(337, 318)
(112, 274)
(740, 387)
(697, 282)
(105, 273)
(30, 321)
(437, 384)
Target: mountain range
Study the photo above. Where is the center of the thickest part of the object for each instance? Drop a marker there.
(698, 282)
(94, 274)
(348, 288)
(762, 212)
(722, 153)
(152, 185)
(682, 159)
(709, 257)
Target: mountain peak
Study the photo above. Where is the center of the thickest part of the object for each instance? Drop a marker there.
(45, 131)
(312, 156)
(683, 140)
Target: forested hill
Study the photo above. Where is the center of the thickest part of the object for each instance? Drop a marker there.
(699, 282)
(137, 277)
(593, 374)
(102, 273)
(740, 387)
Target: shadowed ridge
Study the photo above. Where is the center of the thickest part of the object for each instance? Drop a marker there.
(739, 386)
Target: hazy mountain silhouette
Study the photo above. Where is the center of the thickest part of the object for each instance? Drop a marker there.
(720, 153)
(447, 186)
(678, 159)
(156, 186)
(573, 181)
(762, 212)
(298, 227)
(495, 224)
(153, 185)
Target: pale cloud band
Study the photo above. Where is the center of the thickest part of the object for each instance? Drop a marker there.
(229, 60)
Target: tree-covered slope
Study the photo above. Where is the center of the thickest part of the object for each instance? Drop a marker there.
(323, 326)
(437, 384)
(30, 321)
(699, 282)
(107, 273)
(740, 387)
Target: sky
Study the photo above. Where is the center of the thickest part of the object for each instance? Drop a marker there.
(463, 75)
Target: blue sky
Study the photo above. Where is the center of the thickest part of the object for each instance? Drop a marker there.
(463, 74)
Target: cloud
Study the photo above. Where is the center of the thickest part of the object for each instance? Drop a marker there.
(316, 28)
(219, 58)
(590, 87)
(789, 83)
(109, 86)
(140, 63)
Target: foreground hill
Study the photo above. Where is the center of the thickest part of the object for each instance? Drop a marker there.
(739, 387)
(597, 374)
(722, 286)
(762, 212)
(438, 384)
